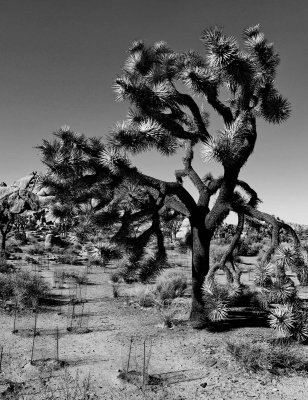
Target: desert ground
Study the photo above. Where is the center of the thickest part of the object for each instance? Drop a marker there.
(93, 343)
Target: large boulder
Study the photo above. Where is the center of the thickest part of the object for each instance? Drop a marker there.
(49, 241)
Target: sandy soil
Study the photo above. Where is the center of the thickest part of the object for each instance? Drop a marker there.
(181, 363)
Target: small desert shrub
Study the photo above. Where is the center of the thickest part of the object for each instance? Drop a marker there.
(144, 296)
(4, 265)
(168, 314)
(27, 289)
(69, 256)
(95, 261)
(261, 356)
(13, 247)
(57, 250)
(248, 247)
(115, 277)
(31, 260)
(6, 287)
(80, 279)
(170, 285)
(36, 249)
(70, 387)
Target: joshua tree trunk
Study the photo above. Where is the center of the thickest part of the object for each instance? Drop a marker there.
(200, 267)
(3, 241)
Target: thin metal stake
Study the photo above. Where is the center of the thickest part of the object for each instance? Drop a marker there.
(14, 323)
(57, 339)
(34, 334)
(144, 373)
(130, 349)
(1, 356)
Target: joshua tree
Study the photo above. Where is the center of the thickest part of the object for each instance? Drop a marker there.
(103, 206)
(15, 200)
(170, 94)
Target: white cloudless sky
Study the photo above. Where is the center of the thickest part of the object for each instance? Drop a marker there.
(59, 59)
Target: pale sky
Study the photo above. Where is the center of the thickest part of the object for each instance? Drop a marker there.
(59, 59)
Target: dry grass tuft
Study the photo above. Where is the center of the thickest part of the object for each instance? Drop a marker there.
(262, 356)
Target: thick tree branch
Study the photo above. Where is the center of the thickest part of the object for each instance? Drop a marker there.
(254, 199)
(170, 188)
(173, 203)
(189, 102)
(218, 106)
(232, 275)
(276, 226)
(175, 128)
(189, 170)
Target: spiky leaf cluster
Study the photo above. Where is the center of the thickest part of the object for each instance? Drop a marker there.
(282, 319)
(162, 116)
(232, 145)
(100, 199)
(290, 320)
(75, 174)
(263, 275)
(216, 302)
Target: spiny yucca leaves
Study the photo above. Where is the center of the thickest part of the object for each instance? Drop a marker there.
(143, 135)
(220, 48)
(151, 267)
(106, 218)
(132, 196)
(115, 160)
(230, 144)
(282, 319)
(280, 293)
(285, 256)
(274, 108)
(300, 267)
(216, 301)
(300, 332)
(290, 320)
(110, 251)
(263, 275)
(199, 79)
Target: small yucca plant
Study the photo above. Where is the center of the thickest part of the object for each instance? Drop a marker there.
(216, 302)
